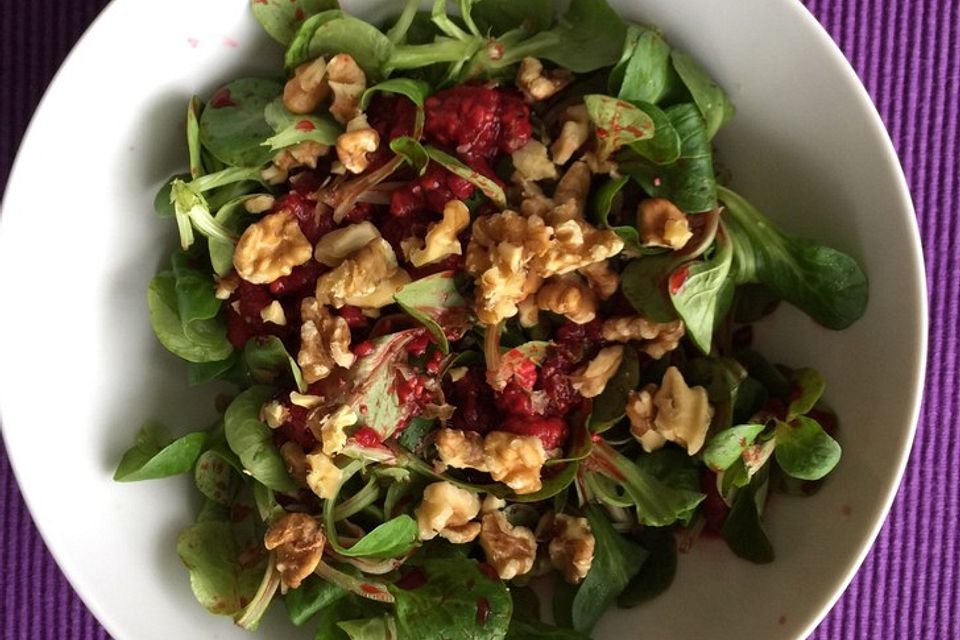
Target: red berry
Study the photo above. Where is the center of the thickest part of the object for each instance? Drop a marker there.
(552, 430)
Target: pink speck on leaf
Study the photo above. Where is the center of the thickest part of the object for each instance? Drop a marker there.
(193, 42)
(305, 125)
(230, 42)
(299, 15)
(657, 182)
(222, 98)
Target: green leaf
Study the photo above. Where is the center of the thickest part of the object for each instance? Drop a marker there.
(194, 107)
(616, 560)
(689, 182)
(610, 406)
(252, 440)
(458, 601)
(153, 455)
(804, 450)
(728, 446)
(644, 284)
(743, 528)
(291, 128)
(658, 486)
(754, 302)
(282, 18)
(535, 630)
(333, 32)
(644, 73)
(751, 397)
(382, 628)
(233, 217)
(699, 295)
(391, 539)
(207, 339)
(497, 17)
(195, 290)
(809, 385)
(617, 123)
(602, 205)
(215, 475)
(416, 90)
(226, 560)
(658, 571)
(713, 103)
(163, 201)
(313, 595)
(233, 126)
(674, 469)
(765, 373)
(824, 283)
(435, 302)
(412, 152)
(491, 189)
(414, 433)
(201, 372)
(664, 146)
(268, 361)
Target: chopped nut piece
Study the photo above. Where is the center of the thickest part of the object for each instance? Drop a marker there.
(641, 412)
(662, 224)
(447, 510)
(259, 203)
(335, 246)
(348, 82)
(273, 312)
(492, 503)
(510, 550)
(304, 92)
(329, 427)
(528, 312)
(602, 279)
(324, 341)
(226, 285)
(274, 414)
(568, 296)
(591, 380)
(574, 133)
(297, 541)
(307, 401)
(515, 460)
(600, 166)
(656, 338)
(571, 548)
(571, 194)
(358, 275)
(537, 85)
(323, 475)
(383, 294)
(683, 413)
(274, 175)
(461, 449)
(532, 163)
(353, 147)
(296, 461)
(271, 248)
(302, 154)
(441, 239)
(578, 245)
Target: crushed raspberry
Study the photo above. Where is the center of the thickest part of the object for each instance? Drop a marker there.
(295, 428)
(367, 437)
(313, 224)
(478, 121)
(432, 365)
(429, 192)
(410, 390)
(303, 279)
(555, 382)
(307, 181)
(515, 400)
(244, 321)
(362, 349)
(418, 346)
(552, 430)
(360, 212)
(474, 400)
(392, 115)
(354, 316)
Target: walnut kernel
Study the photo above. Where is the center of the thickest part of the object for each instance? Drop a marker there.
(511, 550)
(270, 248)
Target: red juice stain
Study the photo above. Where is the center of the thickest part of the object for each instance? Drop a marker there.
(412, 579)
(222, 99)
(367, 437)
(230, 42)
(193, 42)
(846, 510)
(362, 349)
(369, 588)
(782, 620)
(305, 125)
(299, 15)
(483, 611)
(657, 182)
(677, 278)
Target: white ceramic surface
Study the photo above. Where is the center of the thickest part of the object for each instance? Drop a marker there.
(79, 368)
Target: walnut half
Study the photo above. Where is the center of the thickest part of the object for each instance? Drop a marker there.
(571, 548)
(511, 550)
(297, 540)
(324, 341)
(447, 510)
(270, 248)
(675, 412)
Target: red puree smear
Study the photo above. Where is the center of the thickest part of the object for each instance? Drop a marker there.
(430, 192)
(715, 510)
(677, 278)
(483, 611)
(478, 120)
(222, 99)
(413, 579)
(474, 400)
(552, 430)
(367, 437)
(305, 125)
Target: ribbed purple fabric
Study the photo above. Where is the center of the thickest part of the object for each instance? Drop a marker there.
(908, 54)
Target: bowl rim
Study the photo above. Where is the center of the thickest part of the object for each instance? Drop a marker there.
(904, 206)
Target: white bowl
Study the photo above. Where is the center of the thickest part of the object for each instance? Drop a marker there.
(80, 369)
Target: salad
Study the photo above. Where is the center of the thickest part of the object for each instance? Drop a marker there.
(483, 302)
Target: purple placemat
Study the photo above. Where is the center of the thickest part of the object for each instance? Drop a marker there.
(908, 54)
